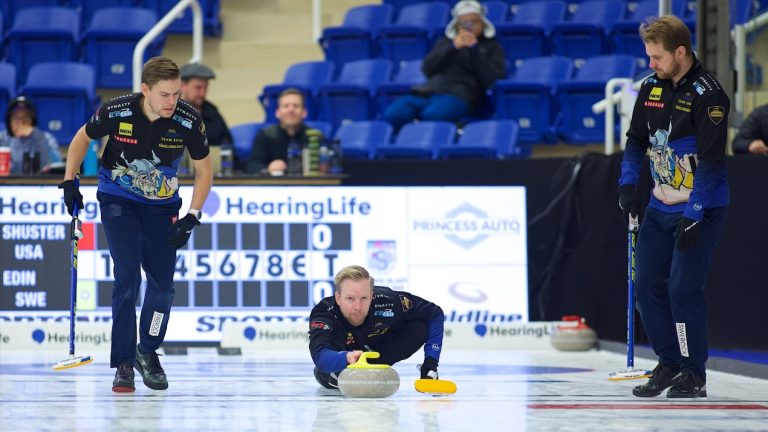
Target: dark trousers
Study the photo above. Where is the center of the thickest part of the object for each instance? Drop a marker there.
(394, 346)
(670, 287)
(137, 236)
(438, 107)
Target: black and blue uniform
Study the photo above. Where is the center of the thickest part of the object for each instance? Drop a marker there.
(397, 325)
(683, 128)
(139, 202)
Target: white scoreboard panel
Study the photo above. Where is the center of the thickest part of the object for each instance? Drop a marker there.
(270, 253)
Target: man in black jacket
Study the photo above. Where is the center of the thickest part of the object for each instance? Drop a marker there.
(194, 89)
(460, 68)
(270, 147)
(752, 137)
(363, 317)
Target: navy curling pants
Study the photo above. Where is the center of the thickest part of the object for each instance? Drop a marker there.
(138, 238)
(670, 287)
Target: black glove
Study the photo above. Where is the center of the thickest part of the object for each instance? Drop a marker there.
(181, 230)
(629, 201)
(71, 195)
(687, 233)
(429, 368)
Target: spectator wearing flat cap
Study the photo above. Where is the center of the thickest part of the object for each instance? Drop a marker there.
(194, 88)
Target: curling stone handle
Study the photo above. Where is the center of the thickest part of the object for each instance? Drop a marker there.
(362, 362)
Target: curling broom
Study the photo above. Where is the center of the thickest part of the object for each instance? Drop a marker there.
(77, 234)
(630, 372)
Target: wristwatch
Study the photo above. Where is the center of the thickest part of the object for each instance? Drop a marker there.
(196, 213)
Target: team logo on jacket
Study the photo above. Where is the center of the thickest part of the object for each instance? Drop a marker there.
(125, 129)
(655, 94)
(406, 303)
(350, 339)
(319, 325)
(388, 313)
(716, 114)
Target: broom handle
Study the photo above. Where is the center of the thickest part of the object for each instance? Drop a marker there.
(75, 233)
(631, 242)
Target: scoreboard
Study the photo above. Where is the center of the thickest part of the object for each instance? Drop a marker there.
(270, 252)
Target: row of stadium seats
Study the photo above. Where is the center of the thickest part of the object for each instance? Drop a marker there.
(528, 29)
(52, 34)
(86, 9)
(64, 94)
(491, 139)
(532, 96)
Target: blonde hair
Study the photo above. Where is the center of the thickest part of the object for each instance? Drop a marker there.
(353, 272)
(159, 69)
(669, 31)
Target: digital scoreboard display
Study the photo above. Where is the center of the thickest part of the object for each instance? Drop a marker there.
(270, 252)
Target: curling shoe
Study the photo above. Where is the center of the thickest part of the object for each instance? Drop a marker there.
(327, 380)
(663, 377)
(689, 385)
(151, 372)
(123, 382)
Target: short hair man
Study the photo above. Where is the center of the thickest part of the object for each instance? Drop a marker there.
(752, 137)
(270, 147)
(139, 205)
(681, 116)
(363, 317)
(194, 89)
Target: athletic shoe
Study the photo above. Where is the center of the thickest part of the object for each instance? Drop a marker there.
(663, 377)
(327, 380)
(123, 382)
(689, 385)
(151, 372)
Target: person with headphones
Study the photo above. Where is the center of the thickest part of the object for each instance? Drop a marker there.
(32, 149)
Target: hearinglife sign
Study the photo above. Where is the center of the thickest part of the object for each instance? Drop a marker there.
(269, 254)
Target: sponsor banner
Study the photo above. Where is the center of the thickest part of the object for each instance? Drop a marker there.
(502, 336)
(54, 336)
(260, 336)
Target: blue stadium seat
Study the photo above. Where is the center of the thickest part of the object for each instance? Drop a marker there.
(323, 127)
(578, 124)
(527, 33)
(398, 5)
(496, 11)
(744, 10)
(306, 77)
(586, 33)
(419, 140)
(242, 139)
(110, 40)
(408, 75)
(65, 96)
(183, 23)
(361, 139)
(89, 7)
(354, 39)
(625, 36)
(351, 98)
(489, 139)
(42, 35)
(413, 34)
(528, 97)
(7, 85)
(9, 8)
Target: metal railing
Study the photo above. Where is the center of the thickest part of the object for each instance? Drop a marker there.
(154, 32)
(739, 36)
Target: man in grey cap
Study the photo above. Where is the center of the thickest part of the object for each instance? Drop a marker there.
(194, 88)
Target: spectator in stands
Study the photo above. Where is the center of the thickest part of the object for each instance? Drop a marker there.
(23, 136)
(270, 147)
(752, 137)
(459, 69)
(194, 88)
